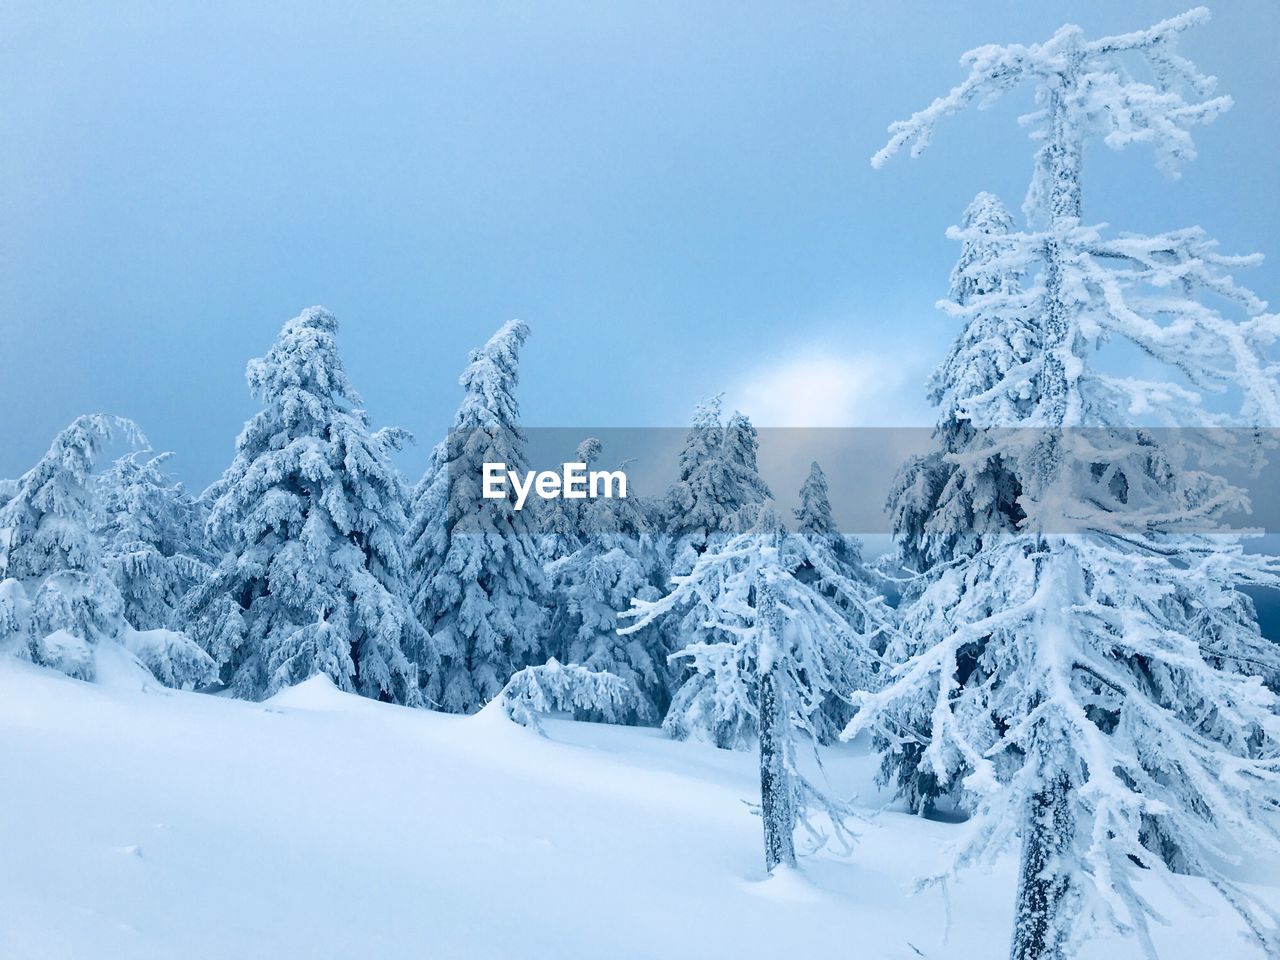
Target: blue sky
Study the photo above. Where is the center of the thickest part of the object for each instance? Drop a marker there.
(676, 197)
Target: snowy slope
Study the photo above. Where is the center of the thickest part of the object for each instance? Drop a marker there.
(151, 823)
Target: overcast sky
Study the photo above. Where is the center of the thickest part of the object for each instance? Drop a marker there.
(675, 196)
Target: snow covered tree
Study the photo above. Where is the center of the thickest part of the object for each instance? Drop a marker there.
(554, 687)
(152, 534)
(771, 648)
(742, 467)
(718, 488)
(718, 703)
(718, 494)
(310, 518)
(58, 604)
(560, 523)
(942, 502)
(1063, 671)
(693, 498)
(814, 517)
(831, 563)
(475, 563)
(620, 557)
(561, 520)
(62, 599)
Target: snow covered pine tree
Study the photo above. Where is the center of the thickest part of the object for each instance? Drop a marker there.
(552, 686)
(1079, 675)
(560, 523)
(152, 534)
(945, 503)
(717, 495)
(561, 520)
(478, 582)
(58, 604)
(718, 487)
(831, 563)
(310, 518)
(770, 649)
(620, 556)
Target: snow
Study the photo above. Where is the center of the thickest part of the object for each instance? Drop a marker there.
(316, 693)
(165, 824)
(117, 667)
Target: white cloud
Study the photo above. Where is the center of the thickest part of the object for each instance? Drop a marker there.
(824, 388)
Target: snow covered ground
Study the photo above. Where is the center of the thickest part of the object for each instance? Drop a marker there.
(147, 823)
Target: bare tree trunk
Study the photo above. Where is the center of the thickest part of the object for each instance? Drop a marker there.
(1043, 883)
(1049, 822)
(777, 794)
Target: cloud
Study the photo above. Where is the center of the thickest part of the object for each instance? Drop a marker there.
(825, 388)
(818, 388)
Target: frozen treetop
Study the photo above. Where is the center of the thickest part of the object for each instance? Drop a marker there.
(589, 450)
(1091, 76)
(489, 379)
(304, 357)
(986, 225)
(1163, 294)
(814, 516)
(42, 520)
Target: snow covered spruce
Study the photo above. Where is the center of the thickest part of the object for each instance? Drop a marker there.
(555, 688)
(309, 520)
(771, 646)
(475, 564)
(152, 533)
(1077, 661)
(60, 605)
(717, 494)
(601, 554)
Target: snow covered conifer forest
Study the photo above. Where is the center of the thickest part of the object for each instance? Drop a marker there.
(1042, 720)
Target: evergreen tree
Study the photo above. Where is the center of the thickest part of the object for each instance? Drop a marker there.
(831, 563)
(742, 469)
(942, 502)
(620, 557)
(553, 686)
(561, 523)
(814, 517)
(771, 649)
(718, 700)
(58, 604)
(62, 601)
(717, 495)
(479, 586)
(718, 487)
(152, 535)
(1062, 671)
(311, 520)
(561, 520)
